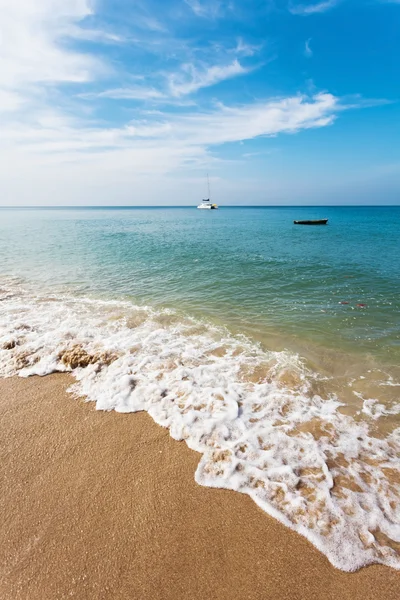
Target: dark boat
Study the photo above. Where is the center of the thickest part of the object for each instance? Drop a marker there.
(316, 222)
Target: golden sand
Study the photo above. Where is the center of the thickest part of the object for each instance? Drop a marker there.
(101, 505)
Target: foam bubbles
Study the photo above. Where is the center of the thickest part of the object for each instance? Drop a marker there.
(251, 414)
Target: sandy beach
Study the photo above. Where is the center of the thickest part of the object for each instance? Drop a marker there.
(104, 505)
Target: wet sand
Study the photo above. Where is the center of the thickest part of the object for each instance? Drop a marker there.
(101, 505)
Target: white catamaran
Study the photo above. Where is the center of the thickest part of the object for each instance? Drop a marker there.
(206, 203)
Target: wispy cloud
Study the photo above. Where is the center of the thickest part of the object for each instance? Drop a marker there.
(270, 118)
(87, 160)
(94, 35)
(50, 132)
(310, 9)
(195, 130)
(254, 154)
(191, 79)
(129, 93)
(307, 49)
(61, 134)
(244, 49)
(150, 22)
(171, 86)
(10, 101)
(31, 48)
(209, 9)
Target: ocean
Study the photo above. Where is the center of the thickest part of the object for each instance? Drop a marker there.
(271, 349)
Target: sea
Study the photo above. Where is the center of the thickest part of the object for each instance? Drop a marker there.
(272, 349)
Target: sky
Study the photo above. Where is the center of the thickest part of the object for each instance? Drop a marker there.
(133, 102)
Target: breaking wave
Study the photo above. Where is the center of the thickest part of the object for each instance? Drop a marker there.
(254, 416)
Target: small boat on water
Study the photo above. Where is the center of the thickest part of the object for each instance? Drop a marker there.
(312, 222)
(206, 203)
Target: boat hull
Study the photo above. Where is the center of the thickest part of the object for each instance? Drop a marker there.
(312, 222)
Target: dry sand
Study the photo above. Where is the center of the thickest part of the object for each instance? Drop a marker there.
(100, 505)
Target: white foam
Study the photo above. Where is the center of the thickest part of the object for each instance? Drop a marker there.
(374, 409)
(250, 413)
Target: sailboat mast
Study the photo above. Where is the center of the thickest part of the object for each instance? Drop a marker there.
(208, 185)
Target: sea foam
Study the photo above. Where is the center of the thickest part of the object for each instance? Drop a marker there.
(253, 415)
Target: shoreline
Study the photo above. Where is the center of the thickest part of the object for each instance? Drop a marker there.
(104, 505)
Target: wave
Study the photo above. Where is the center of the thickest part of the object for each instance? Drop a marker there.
(253, 415)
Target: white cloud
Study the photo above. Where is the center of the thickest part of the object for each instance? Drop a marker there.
(36, 55)
(188, 80)
(10, 101)
(130, 93)
(245, 49)
(30, 48)
(66, 160)
(95, 35)
(196, 7)
(227, 124)
(54, 149)
(192, 79)
(149, 22)
(47, 136)
(310, 9)
(209, 9)
(307, 49)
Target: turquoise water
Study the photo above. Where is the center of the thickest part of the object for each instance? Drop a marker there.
(248, 268)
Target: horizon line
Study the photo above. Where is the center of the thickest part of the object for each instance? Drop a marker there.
(133, 206)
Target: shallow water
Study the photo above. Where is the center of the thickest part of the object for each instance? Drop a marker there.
(230, 328)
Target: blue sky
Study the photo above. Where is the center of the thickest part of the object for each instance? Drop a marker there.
(133, 101)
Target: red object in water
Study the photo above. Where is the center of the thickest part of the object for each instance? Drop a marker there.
(344, 302)
(362, 305)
